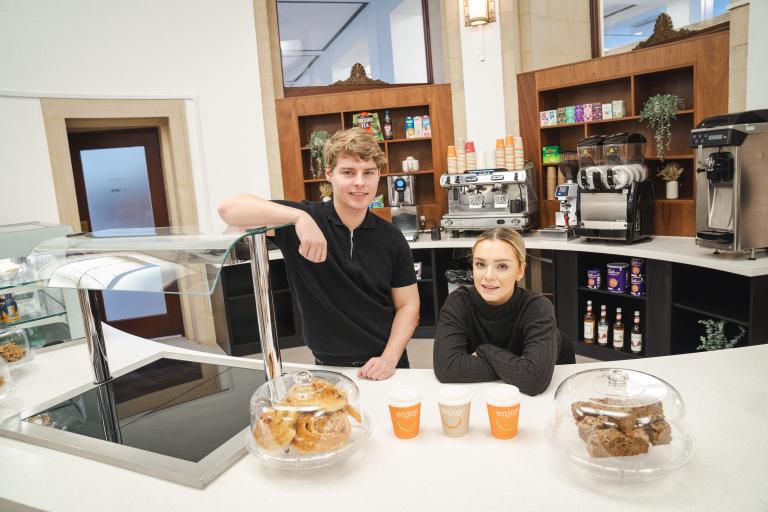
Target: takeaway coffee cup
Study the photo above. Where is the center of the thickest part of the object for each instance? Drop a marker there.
(405, 411)
(454, 403)
(503, 401)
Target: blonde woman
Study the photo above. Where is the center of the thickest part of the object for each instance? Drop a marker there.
(496, 329)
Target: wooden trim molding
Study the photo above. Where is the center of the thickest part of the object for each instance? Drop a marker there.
(596, 31)
(61, 116)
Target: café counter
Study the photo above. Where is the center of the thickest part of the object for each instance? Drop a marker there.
(724, 394)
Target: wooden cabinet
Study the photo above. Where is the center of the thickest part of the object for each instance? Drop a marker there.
(299, 117)
(694, 69)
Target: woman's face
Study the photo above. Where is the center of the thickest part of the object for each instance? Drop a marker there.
(495, 270)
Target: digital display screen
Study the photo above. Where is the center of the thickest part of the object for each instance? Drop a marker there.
(716, 136)
(561, 191)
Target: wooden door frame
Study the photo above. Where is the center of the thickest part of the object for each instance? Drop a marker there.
(64, 115)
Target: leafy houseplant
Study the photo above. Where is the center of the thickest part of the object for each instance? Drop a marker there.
(316, 146)
(716, 338)
(671, 174)
(658, 113)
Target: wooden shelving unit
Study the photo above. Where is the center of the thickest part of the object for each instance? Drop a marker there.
(694, 69)
(298, 117)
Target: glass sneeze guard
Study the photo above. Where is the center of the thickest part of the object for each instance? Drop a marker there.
(172, 260)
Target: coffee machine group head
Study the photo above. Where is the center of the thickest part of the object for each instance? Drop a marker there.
(732, 181)
(615, 196)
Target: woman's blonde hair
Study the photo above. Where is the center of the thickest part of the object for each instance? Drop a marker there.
(510, 236)
(354, 142)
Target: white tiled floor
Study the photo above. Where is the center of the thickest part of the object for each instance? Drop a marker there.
(419, 352)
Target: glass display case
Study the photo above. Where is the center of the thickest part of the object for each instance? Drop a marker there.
(146, 418)
(47, 316)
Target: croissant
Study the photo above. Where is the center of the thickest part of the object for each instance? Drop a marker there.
(322, 432)
(320, 393)
(275, 429)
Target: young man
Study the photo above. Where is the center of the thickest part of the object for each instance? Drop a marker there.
(351, 271)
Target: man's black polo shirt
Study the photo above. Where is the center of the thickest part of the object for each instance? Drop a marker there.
(346, 301)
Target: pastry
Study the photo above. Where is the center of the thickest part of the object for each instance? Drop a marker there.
(613, 427)
(611, 442)
(275, 429)
(320, 393)
(322, 432)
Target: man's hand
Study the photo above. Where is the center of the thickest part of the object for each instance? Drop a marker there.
(377, 368)
(313, 245)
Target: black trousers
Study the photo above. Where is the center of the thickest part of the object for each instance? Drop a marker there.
(353, 361)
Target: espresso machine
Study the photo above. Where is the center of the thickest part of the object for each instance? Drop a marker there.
(402, 200)
(615, 196)
(732, 181)
(488, 198)
(567, 217)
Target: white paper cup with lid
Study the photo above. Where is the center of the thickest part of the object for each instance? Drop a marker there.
(454, 403)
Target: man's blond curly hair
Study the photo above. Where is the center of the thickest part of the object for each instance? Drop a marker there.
(354, 142)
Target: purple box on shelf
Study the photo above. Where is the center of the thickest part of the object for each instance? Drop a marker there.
(587, 112)
(597, 111)
(617, 277)
(561, 115)
(578, 115)
(593, 278)
(637, 267)
(637, 285)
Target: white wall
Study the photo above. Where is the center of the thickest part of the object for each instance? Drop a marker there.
(26, 183)
(757, 49)
(175, 48)
(483, 84)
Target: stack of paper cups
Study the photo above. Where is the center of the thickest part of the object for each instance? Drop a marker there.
(461, 157)
(509, 152)
(471, 156)
(499, 154)
(452, 164)
(519, 157)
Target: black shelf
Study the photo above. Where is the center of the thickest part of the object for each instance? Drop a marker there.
(612, 294)
(596, 351)
(729, 312)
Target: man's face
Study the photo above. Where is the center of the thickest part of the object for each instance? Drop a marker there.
(354, 182)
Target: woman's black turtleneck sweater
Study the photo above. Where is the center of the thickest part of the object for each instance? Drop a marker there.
(517, 342)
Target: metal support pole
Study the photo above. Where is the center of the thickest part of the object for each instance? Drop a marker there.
(94, 337)
(108, 411)
(257, 245)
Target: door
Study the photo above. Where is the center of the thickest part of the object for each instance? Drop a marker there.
(119, 184)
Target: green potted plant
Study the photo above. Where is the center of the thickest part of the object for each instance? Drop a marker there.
(316, 147)
(715, 338)
(671, 174)
(658, 113)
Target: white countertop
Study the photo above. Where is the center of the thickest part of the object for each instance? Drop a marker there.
(725, 395)
(676, 249)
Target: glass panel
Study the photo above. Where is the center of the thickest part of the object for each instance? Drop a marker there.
(628, 23)
(320, 41)
(165, 260)
(117, 187)
(158, 408)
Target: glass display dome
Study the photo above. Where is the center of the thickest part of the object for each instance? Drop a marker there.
(620, 424)
(306, 419)
(14, 347)
(6, 382)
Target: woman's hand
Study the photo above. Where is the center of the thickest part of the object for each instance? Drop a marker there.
(377, 368)
(313, 245)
